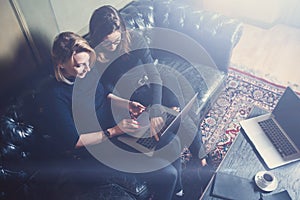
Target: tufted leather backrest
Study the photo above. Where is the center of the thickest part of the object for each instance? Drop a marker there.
(16, 129)
(216, 33)
(20, 138)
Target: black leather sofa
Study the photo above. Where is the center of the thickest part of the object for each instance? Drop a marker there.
(21, 155)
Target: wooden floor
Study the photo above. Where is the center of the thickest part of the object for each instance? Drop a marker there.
(273, 54)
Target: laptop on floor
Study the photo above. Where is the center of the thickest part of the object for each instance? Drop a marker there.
(278, 145)
(141, 140)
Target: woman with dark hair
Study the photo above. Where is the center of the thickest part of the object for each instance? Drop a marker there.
(128, 70)
(121, 53)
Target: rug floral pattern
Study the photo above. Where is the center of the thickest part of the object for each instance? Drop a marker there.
(243, 91)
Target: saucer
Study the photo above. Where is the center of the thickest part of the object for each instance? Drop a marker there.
(270, 187)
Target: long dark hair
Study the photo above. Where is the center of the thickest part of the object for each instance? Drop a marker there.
(104, 21)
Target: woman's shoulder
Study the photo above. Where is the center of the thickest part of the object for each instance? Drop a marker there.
(51, 94)
(135, 34)
(137, 40)
(54, 88)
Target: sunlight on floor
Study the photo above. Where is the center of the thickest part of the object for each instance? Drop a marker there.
(272, 54)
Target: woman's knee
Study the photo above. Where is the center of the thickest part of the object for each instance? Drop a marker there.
(169, 174)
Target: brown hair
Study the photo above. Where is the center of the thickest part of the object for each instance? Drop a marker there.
(65, 45)
(104, 21)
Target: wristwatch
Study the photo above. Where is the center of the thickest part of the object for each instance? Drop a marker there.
(107, 133)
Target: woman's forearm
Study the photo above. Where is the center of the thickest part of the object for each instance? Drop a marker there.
(90, 139)
(119, 101)
(96, 137)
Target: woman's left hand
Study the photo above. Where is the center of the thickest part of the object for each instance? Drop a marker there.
(124, 126)
(135, 109)
(156, 125)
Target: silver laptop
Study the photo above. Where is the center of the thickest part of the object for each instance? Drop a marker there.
(141, 140)
(276, 135)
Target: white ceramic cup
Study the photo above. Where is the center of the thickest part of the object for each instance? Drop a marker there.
(265, 179)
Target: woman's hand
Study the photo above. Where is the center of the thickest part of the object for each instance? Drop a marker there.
(135, 109)
(156, 125)
(124, 126)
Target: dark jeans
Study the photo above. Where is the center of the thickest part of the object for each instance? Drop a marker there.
(172, 173)
(79, 167)
(89, 172)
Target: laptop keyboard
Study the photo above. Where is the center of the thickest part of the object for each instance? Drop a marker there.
(281, 143)
(150, 142)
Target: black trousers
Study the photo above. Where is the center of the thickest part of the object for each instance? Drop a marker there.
(86, 171)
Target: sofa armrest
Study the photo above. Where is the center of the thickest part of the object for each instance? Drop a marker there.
(217, 33)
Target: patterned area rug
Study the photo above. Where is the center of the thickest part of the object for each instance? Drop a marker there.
(242, 93)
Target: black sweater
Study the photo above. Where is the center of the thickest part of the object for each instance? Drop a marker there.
(121, 75)
(60, 103)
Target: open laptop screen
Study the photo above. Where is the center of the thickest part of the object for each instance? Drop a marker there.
(287, 114)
